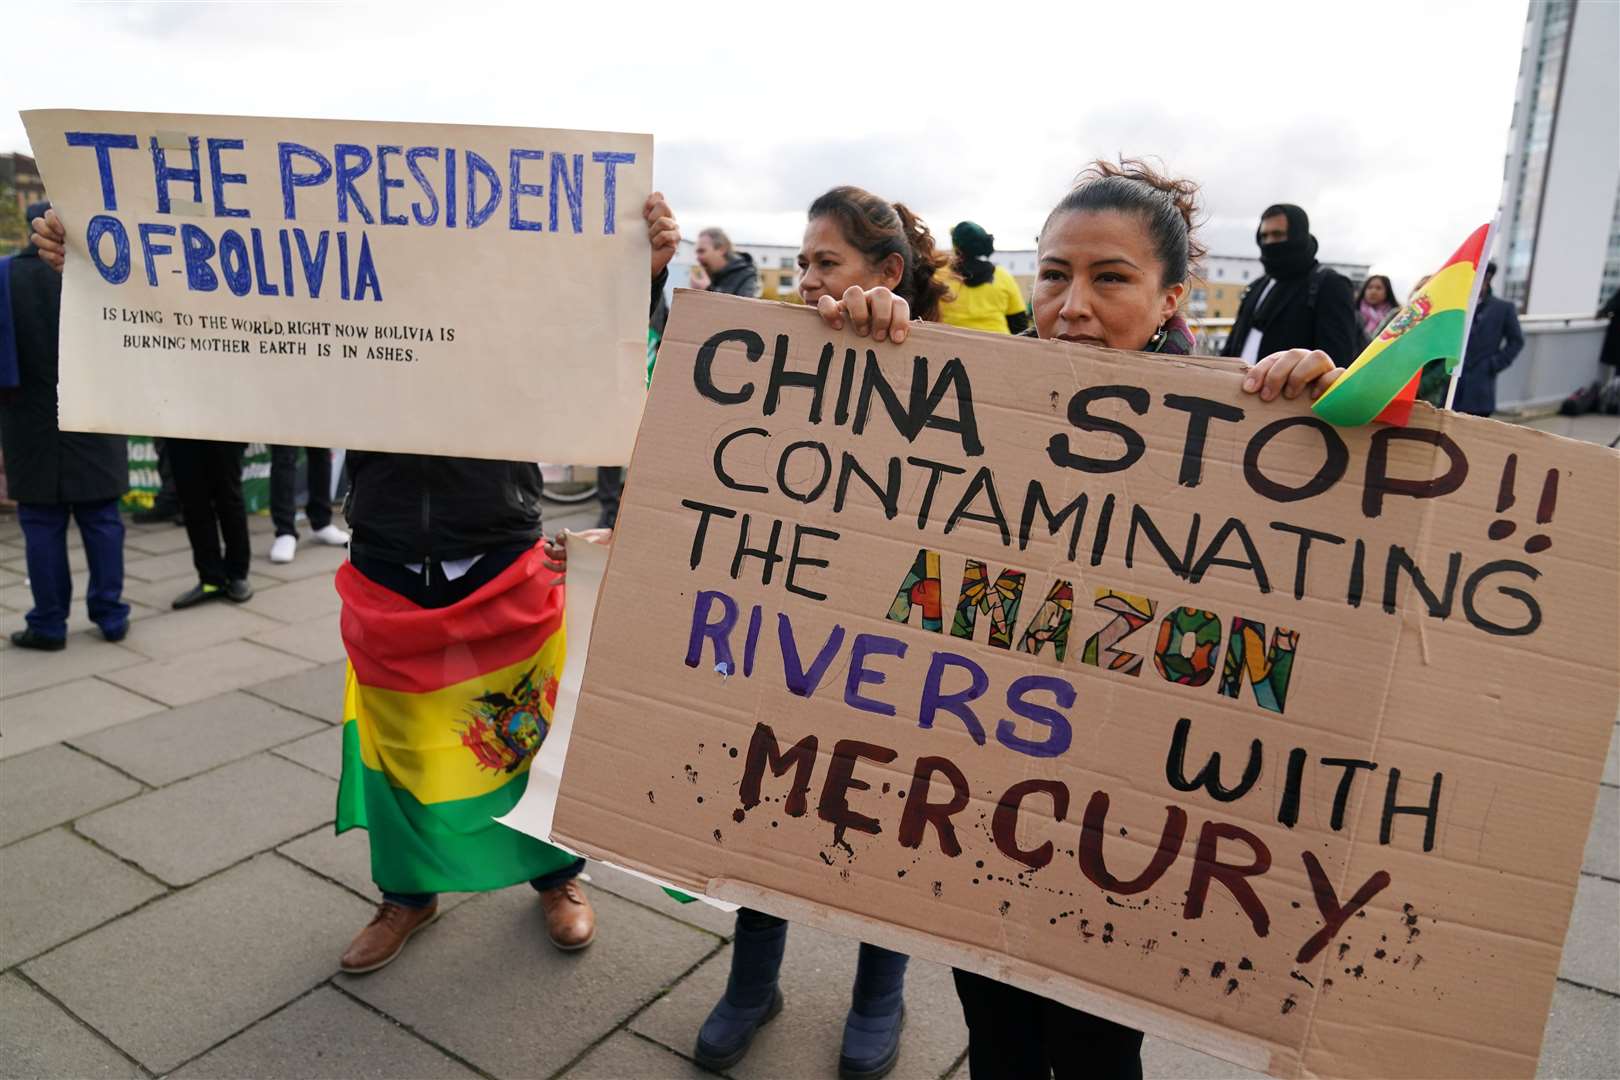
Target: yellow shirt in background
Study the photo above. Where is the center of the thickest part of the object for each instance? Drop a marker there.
(983, 307)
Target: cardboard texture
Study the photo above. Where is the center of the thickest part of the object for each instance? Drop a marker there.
(432, 288)
(1375, 877)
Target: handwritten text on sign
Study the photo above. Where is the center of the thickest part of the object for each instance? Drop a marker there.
(1085, 670)
(473, 273)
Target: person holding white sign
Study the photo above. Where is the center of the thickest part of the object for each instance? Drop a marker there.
(1115, 258)
(854, 241)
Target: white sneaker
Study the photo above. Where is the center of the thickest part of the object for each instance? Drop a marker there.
(283, 549)
(331, 534)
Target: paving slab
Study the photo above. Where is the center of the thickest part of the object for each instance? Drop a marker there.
(817, 974)
(55, 886)
(207, 672)
(346, 859)
(178, 743)
(1592, 948)
(298, 601)
(30, 721)
(325, 1034)
(1583, 1035)
(155, 540)
(318, 639)
(317, 692)
(175, 634)
(1611, 765)
(313, 559)
(322, 751)
(1603, 842)
(159, 567)
(196, 827)
(644, 892)
(42, 1040)
(81, 631)
(161, 594)
(1162, 1058)
(22, 670)
(52, 785)
(497, 944)
(626, 1055)
(192, 969)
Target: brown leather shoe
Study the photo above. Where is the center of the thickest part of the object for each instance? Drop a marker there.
(570, 922)
(385, 936)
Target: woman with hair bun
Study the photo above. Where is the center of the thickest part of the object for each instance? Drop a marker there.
(984, 296)
(1114, 262)
(855, 245)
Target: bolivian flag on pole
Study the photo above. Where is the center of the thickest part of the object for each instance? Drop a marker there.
(1382, 383)
(444, 710)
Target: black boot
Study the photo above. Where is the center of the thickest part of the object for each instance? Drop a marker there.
(752, 996)
(877, 1012)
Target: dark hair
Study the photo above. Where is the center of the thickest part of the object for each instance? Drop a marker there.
(973, 248)
(1167, 205)
(877, 230)
(1389, 290)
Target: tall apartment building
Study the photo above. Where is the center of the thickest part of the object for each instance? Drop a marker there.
(1558, 245)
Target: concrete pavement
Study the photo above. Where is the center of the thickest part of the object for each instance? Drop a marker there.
(173, 901)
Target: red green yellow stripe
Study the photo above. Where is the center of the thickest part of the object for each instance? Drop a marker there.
(444, 710)
(1431, 326)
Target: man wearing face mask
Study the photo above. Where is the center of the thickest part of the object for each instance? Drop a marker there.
(1297, 303)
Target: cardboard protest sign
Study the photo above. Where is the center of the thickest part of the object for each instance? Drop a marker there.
(1086, 671)
(477, 291)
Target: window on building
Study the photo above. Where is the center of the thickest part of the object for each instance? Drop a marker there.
(787, 262)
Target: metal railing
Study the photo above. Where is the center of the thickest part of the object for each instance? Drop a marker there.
(1560, 355)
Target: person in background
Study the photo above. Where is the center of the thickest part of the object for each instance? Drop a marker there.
(1115, 257)
(1494, 340)
(1376, 305)
(208, 480)
(854, 241)
(984, 296)
(55, 475)
(1297, 303)
(284, 499)
(720, 268)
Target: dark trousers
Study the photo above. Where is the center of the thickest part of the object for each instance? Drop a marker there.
(1017, 1035)
(429, 588)
(44, 529)
(208, 478)
(751, 919)
(609, 490)
(284, 488)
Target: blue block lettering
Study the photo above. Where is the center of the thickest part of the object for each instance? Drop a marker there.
(103, 142)
(220, 178)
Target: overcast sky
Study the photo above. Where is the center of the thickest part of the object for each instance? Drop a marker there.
(1387, 121)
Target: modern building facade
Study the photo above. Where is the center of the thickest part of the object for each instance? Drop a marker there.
(1558, 244)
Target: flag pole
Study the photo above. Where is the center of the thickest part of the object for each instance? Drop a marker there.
(1473, 302)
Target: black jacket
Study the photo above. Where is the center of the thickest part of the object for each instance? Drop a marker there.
(409, 508)
(1293, 321)
(738, 277)
(44, 464)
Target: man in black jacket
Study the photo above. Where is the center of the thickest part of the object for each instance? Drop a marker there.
(55, 475)
(433, 530)
(725, 269)
(1297, 303)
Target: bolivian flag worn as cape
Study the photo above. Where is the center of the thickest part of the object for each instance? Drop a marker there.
(444, 710)
(1382, 383)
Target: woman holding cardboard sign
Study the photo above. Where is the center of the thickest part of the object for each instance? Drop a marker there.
(854, 242)
(1114, 264)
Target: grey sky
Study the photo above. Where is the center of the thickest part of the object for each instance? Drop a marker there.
(1386, 121)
